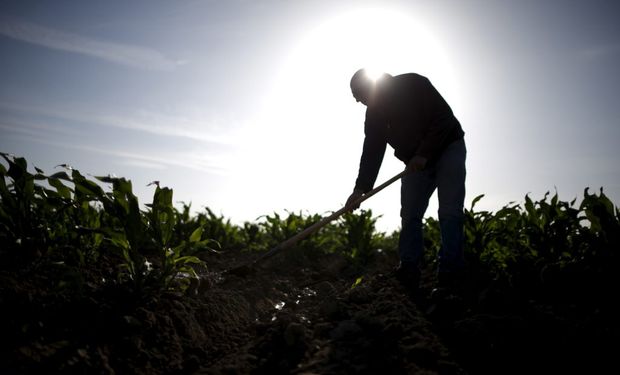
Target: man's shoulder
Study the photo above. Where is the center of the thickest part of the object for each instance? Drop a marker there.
(410, 77)
(408, 84)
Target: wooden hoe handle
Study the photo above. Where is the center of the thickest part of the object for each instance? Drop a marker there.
(324, 221)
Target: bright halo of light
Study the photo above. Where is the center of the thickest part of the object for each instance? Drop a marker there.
(373, 73)
(311, 127)
(379, 40)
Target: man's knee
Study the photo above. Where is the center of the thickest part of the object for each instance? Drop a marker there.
(451, 213)
(410, 221)
(413, 210)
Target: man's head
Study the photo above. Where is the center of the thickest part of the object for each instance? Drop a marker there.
(362, 86)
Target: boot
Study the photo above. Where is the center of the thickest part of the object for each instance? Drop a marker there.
(408, 275)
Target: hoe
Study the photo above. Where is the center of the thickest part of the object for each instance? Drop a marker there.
(248, 268)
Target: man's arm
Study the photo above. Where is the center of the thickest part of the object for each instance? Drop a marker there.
(370, 162)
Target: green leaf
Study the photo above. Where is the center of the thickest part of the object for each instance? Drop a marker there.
(122, 186)
(473, 203)
(117, 238)
(357, 282)
(188, 259)
(607, 203)
(61, 175)
(134, 227)
(4, 191)
(120, 242)
(196, 235)
(179, 248)
(106, 179)
(207, 243)
(63, 190)
(85, 188)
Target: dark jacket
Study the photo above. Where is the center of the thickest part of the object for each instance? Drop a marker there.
(409, 114)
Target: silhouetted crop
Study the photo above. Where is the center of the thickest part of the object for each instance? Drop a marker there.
(68, 220)
(548, 248)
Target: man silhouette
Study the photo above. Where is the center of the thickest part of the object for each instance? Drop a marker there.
(409, 114)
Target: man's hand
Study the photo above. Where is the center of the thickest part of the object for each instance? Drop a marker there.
(417, 163)
(353, 198)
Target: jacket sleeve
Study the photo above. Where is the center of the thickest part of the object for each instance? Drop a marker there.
(372, 154)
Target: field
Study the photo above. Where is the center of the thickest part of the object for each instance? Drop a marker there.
(93, 282)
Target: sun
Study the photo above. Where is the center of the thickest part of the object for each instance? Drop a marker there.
(373, 73)
(310, 129)
(377, 39)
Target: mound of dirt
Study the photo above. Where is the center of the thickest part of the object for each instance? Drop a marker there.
(334, 328)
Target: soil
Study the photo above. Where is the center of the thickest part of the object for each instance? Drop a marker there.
(295, 314)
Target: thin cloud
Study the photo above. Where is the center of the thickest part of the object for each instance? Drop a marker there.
(152, 123)
(123, 54)
(157, 124)
(204, 163)
(143, 164)
(169, 161)
(30, 127)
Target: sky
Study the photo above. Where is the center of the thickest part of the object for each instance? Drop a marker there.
(244, 106)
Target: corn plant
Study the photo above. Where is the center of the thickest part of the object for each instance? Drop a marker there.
(432, 240)
(176, 261)
(360, 239)
(69, 219)
(277, 229)
(22, 220)
(546, 246)
(227, 235)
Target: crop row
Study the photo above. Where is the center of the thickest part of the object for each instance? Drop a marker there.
(549, 247)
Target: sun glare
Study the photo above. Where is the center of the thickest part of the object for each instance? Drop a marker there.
(380, 40)
(310, 113)
(373, 73)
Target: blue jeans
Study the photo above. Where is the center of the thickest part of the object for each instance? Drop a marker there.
(447, 175)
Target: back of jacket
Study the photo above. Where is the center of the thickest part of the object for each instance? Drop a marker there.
(410, 115)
